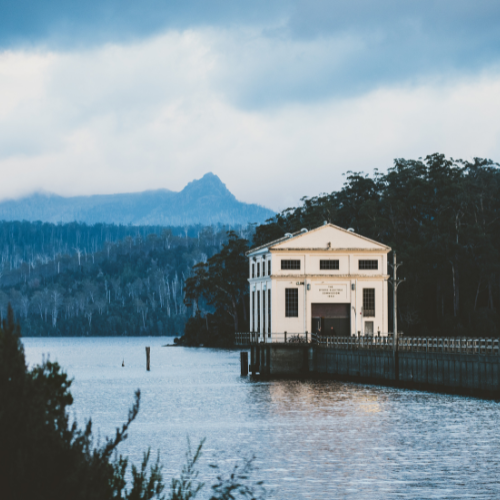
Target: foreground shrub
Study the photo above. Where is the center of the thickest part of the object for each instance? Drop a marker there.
(44, 456)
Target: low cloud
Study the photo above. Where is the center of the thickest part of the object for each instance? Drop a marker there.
(256, 110)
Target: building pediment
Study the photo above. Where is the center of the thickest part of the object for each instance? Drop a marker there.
(326, 237)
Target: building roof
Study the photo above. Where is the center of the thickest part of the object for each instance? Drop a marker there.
(273, 243)
(307, 240)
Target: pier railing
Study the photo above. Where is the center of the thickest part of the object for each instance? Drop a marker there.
(308, 338)
(272, 338)
(463, 345)
(354, 342)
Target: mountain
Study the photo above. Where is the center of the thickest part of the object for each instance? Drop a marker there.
(205, 201)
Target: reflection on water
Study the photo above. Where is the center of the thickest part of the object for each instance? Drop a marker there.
(318, 397)
(314, 439)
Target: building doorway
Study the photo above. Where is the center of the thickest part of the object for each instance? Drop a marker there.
(332, 320)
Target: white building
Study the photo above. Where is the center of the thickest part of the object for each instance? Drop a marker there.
(328, 280)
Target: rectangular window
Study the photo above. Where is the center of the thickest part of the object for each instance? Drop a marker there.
(258, 311)
(253, 270)
(368, 302)
(258, 270)
(290, 264)
(368, 264)
(263, 268)
(253, 311)
(269, 268)
(263, 311)
(269, 311)
(291, 302)
(329, 264)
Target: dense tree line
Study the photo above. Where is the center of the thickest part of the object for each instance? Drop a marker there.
(441, 216)
(74, 279)
(44, 455)
(221, 282)
(27, 246)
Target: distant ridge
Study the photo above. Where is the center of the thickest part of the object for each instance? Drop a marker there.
(204, 201)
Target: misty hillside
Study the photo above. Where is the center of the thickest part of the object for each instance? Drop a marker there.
(75, 279)
(205, 201)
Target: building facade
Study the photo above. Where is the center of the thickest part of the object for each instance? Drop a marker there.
(328, 280)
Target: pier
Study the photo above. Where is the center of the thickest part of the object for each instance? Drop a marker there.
(455, 364)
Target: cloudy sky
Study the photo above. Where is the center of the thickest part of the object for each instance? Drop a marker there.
(276, 97)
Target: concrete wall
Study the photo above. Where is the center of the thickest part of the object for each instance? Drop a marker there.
(450, 370)
(288, 361)
(474, 374)
(281, 360)
(376, 365)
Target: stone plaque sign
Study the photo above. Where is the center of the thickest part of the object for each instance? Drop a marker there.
(331, 291)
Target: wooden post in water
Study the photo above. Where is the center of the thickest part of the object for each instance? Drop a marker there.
(244, 363)
(148, 358)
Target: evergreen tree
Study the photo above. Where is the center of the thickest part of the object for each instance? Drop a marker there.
(222, 283)
(442, 216)
(45, 457)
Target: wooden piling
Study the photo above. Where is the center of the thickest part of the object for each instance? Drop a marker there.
(244, 363)
(253, 359)
(148, 358)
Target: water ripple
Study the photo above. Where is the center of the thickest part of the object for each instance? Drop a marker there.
(312, 440)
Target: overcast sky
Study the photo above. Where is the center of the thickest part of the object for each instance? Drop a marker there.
(278, 98)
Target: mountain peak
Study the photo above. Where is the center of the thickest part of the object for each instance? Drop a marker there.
(209, 176)
(203, 201)
(208, 185)
(209, 179)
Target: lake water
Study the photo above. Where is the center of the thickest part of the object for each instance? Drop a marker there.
(314, 439)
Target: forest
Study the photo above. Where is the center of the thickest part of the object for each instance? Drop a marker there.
(220, 283)
(75, 279)
(441, 216)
